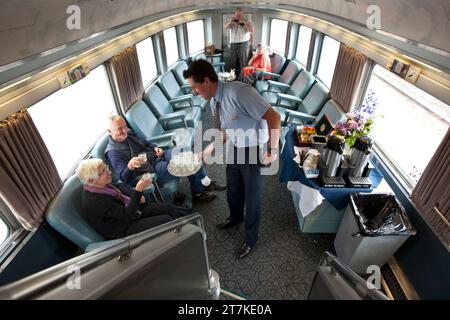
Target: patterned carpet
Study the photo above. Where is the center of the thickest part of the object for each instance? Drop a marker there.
(283, 263)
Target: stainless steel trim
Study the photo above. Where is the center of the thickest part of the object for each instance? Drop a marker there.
(38, 282)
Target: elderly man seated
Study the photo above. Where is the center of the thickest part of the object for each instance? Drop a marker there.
(117, 210)
(123, 152)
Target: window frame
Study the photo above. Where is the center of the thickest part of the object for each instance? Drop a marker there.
(152, 41)
(115, 110)
(15, 233)
(165, 47)
(401, 178)
(318, 58)
(190, 54)
(285, 39)
(308, 53)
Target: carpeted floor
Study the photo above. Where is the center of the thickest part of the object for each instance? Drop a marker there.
(283, 263)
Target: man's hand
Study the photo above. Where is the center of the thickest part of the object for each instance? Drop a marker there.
(143, 184)
(207, 152)
(142, 201)
(135, 162)
(159, 152)
(268, 158)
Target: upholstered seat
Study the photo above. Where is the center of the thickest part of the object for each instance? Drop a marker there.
(145, 124)
(331, 109)
(165, 112)
(300, 87)
(311, 105)
(219, 66)
(174, 92)
(177, 71)
(277, 62)
(287, 77)
(64, 214)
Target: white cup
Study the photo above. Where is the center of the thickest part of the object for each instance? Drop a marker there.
(146, 176)
(143, 156)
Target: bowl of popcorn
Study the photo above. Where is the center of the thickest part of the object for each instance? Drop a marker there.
(184, 164)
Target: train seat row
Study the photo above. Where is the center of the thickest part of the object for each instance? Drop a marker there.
(296, 95)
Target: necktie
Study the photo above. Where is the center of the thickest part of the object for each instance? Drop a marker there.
(217, 116)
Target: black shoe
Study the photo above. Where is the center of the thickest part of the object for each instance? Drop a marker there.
(214, 186)
(244, 250)
(204, 197)
(225, 224)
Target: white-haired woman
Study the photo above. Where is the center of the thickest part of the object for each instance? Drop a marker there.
(116, 210)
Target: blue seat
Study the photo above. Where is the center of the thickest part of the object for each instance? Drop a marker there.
(219, 66)
(312, 104)
(64, 214)
(331, 109)
(175, 93)
(300, 87)
(277, 62)
(287, 77)
(145, 124)
(167, 114)
(177, 71)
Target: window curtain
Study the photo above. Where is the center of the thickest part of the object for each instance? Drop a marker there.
(125, 67)
(28, 176)
(347, 75)
(432, 193)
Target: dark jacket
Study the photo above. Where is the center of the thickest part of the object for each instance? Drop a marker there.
(120, 153)
(108, 215)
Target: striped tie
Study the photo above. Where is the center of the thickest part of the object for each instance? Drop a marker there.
(217, 116)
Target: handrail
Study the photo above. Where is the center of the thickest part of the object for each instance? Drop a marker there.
(332, 261)
(58, 274)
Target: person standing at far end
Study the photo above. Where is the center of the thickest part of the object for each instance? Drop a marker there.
(240, 30)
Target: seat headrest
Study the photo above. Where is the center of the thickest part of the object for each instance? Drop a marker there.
(333, 111)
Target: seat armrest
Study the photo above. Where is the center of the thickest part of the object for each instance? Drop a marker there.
(291, 115)
(265, 73)
(177, 100)
(161, 138)
(281, 85)
(186, 88)
(173, 116)
(287, 97)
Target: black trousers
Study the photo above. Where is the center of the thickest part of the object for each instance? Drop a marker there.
(245, 186)
(153, 215)
(238, 56)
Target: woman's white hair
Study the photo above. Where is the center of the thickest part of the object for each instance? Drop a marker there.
(88, 169)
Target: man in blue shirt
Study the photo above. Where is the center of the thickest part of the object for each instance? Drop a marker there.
(122, 152)
(249, 122)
